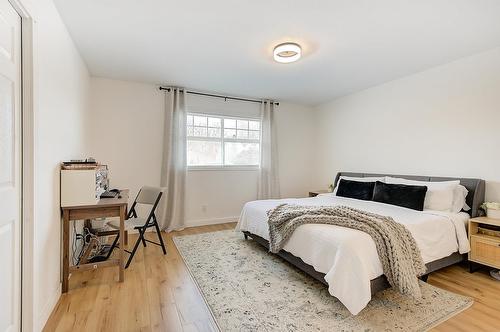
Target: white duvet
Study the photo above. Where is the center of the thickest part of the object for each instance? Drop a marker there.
(348, 257)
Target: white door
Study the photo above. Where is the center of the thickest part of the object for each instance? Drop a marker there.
(10, 168)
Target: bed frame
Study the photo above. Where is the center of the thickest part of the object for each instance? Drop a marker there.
(474, 199)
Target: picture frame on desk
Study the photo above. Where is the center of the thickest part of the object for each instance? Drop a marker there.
(82, 186)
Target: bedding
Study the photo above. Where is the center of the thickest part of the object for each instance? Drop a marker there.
(348, 257)
(408, 196)
(359, 179)
(439, 195)
(355, 189)
(399, 254)
(459, 198)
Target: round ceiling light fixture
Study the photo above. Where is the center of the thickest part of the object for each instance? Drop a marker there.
(287, 52)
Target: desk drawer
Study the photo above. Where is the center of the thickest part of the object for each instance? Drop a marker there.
(485, 250)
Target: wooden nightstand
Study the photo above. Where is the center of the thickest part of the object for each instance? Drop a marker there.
(317, 192)
(485, 249)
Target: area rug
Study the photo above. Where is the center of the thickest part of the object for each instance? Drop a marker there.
(249, 289)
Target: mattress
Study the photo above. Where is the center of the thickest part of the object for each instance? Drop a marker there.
(348, 257)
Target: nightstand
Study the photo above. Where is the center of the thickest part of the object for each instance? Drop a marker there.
(317, 192)
(485, 246)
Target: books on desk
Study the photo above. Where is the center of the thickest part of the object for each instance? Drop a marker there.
(79, 164)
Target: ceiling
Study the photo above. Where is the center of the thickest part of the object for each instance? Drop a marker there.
(225, 46)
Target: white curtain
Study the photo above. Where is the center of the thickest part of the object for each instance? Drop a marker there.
(269, 186)
(173, 170)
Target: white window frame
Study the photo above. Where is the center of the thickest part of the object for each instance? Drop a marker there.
(222, 140)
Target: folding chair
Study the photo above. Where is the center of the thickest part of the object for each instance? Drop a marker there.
(150, 196)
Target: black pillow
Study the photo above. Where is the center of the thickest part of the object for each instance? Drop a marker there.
(356, 189)
(411, 197)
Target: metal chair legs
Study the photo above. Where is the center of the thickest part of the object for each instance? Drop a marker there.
(141, 238)
(113, 246)
(160, 238)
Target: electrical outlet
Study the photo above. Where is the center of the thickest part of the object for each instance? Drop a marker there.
(204, 208)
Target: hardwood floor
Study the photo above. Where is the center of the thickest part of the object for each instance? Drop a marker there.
(159, 295)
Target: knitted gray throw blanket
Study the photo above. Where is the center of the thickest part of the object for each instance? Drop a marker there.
(401, 259)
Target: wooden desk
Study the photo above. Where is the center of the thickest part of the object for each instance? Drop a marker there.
(106, 207)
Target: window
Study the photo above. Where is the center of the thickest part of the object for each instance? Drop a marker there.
(222, 141)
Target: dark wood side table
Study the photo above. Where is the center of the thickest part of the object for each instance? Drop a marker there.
(315, 193)
(104, 208)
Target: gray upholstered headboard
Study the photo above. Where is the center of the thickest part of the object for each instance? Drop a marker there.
(474, 199)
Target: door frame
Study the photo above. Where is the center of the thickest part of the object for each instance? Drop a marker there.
(27, 161)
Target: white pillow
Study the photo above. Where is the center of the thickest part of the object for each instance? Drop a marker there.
(439, 196)
(459, 197)
(353, 178)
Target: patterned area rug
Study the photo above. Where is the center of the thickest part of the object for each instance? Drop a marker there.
(249, 289)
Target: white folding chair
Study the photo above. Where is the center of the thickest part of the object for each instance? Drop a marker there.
(148, 196)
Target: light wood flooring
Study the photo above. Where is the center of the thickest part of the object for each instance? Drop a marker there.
(159, 295)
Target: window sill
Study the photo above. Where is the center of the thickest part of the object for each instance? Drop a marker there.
(222, 168)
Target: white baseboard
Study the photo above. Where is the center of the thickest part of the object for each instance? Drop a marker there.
(210, 221)
(49, 306)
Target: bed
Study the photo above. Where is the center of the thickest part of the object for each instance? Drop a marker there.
(345, 259)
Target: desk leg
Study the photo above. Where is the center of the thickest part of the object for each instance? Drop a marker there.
(65, 251)
(126, 232)
(122, 243)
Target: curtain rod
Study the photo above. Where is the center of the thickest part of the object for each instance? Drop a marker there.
(221, 96)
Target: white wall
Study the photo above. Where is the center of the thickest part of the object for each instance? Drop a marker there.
(133, 148)
(126, 131)
(61, 95)
(443, 121)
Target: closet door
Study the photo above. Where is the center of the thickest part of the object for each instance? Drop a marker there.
(10, 168)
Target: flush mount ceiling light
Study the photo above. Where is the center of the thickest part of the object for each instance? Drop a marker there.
(287, 52)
